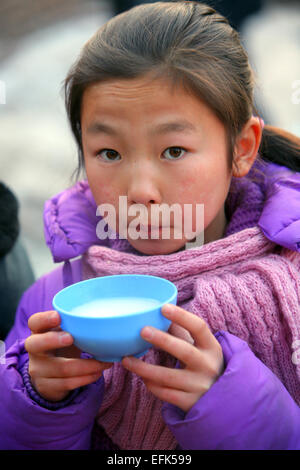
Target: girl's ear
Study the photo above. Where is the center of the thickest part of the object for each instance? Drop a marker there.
(246, 147)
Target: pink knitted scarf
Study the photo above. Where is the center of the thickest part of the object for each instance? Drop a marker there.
(243, 284)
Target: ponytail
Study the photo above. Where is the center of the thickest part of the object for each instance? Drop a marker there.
(281, 147)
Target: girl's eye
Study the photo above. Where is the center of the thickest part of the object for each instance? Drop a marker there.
(108, 155)
(175, 153)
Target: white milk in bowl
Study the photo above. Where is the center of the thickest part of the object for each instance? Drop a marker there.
(115, 306)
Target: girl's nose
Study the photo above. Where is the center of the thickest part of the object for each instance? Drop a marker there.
(143, 188)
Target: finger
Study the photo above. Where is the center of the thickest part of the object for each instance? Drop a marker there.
(68, 351)
(185, 352)
(195, 325)
(180, 332)
(43, 321)
(60, 367)
(163, 376)
(179, 398)
(45, 342)
(51, 387)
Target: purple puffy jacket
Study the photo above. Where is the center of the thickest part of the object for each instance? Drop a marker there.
(246, 408)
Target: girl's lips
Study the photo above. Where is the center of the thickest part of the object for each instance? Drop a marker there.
(149, 228)
(149, 232)
(155, 231)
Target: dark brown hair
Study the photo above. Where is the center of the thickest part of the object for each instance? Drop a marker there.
(191, 45)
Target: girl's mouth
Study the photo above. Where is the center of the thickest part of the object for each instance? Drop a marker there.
(149, 229)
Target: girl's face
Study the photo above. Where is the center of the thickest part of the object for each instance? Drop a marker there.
(155, 146)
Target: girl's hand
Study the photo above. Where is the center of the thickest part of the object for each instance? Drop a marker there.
(55, 366)
(203, 360)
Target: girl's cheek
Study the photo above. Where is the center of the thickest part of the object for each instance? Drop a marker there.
(190, 190)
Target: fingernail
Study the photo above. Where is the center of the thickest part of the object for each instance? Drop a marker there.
(148, 332)
(53, 317)
(65, 338)
(167, 310)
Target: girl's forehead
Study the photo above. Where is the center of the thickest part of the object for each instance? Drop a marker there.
(152, 106)
(134, 88)
(138, 96)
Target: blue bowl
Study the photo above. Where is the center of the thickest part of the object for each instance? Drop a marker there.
(105, 315)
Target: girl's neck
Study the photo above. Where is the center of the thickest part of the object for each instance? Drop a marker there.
(217, 228)
(213, 232)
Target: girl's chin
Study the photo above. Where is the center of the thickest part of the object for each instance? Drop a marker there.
(157, 247)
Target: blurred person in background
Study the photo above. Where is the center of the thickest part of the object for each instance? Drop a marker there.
(15, 270)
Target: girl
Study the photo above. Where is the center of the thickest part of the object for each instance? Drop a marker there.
(160, 102)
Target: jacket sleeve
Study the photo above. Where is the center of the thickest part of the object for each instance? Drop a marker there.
(25, 424)
(247, 408)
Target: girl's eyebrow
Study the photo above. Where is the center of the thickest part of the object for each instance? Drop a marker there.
(164, 128)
